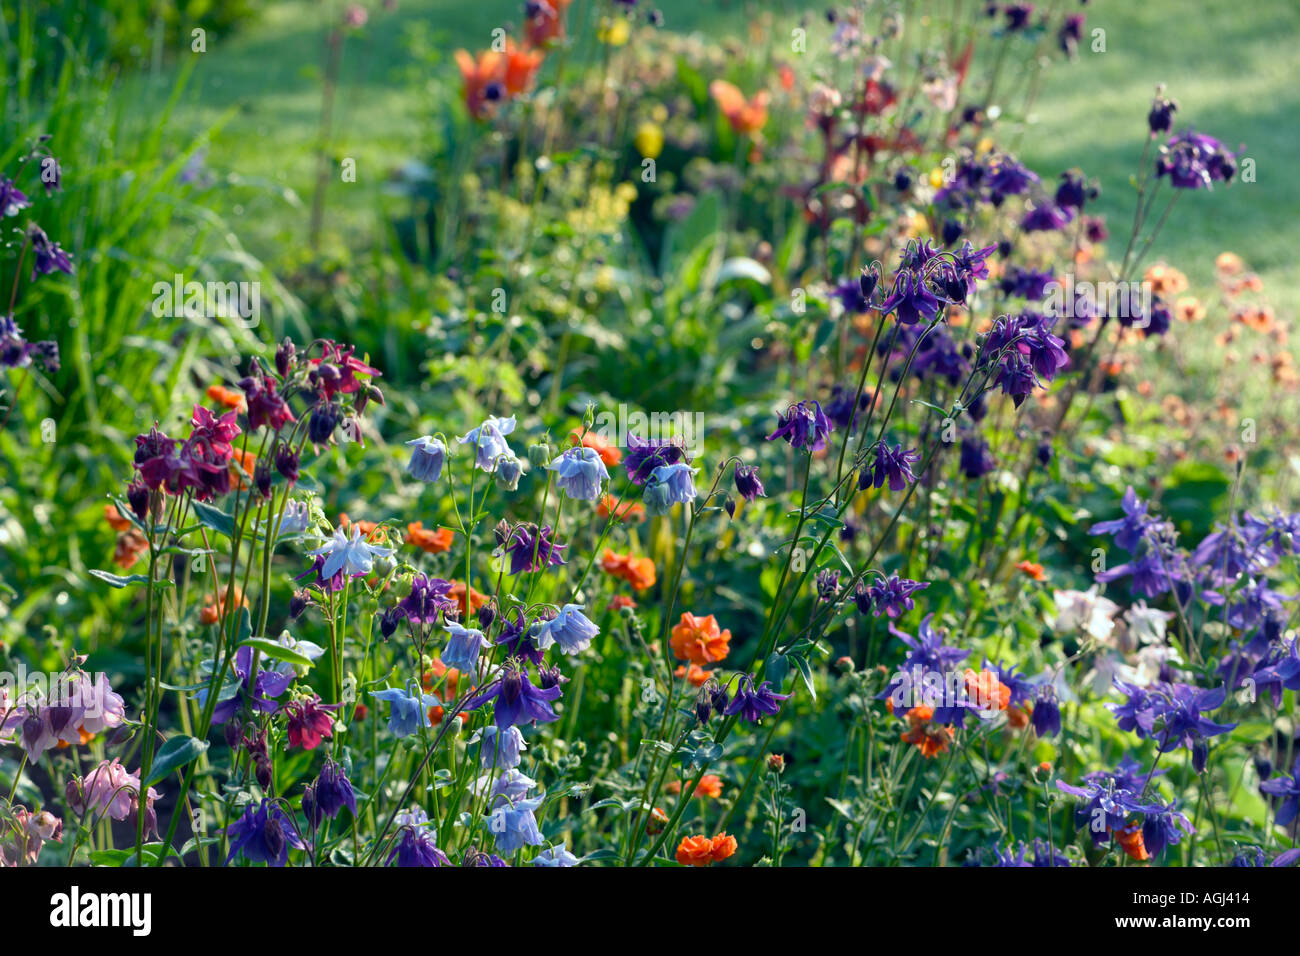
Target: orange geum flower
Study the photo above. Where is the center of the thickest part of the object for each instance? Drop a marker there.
(695, 851)
(1228, 263)
(241, 460)
(620, 601)
(1165, 279)
(695, 674)
(1189, 309)
(745, 116)
(930, 738)
(609, 454)
(428, 540)
(1130, 838)
(211, 612)
(1031, 569)
(698, 639)
(476, 598)
(227, 397)
(116, 520)
(989, 692)
(638, 572)
(622, 510)
(521, 67)
(722, 846)
(130, 545)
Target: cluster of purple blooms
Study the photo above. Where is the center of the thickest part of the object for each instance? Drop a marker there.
(1111, 798)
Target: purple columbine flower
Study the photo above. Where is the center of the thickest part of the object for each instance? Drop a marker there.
(259, 693)
(580, 473)
(1164, 827)
(1195, 161)
(828, 585)
(429, 598)
(415, 842)
(1047, 712)
(333, 790)
(517, 638)
(748, 484)
(1106, 808)
(1046, 216)
(517, 700)
(976, 458)
(17, 352)
(48, 256)
(890, 596)
(1129, 530)
(12, 199)
(893, 465)
(911, 301)
(263, 834)
(530, 549)
(643, 457)
(803, 425)
(754, 703)
(1286, 791)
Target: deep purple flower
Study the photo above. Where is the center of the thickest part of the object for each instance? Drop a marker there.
(890, 596)
(910, 301)
(12, 199)
(748, 485)
(893, 465)
(803, 425)
(644, 456)
(1107, 807)
(1047, 712)
(1195, 161)
(428, 598)
(333, 790)
(1286, 791)
(976, 458)
(530, 549)
(517, 700)
(263, 834)
(415, 846)
(1164, 827)
(517, 638)
(48, 257)
(1046, 216)
(266, 406)
(754, 703)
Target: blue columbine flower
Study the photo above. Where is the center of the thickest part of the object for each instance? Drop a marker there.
(644, 456)
(489, 442)
(12, 199)
(514, 825)
(1047, 712)
(427, 457)
(263, 834)
(803, 425)
(352, 555)
(976, 458)
(1164, 827)
(1107, 807)
(911, 300)
(555, 856)
(463, 648)
(47, 256)
(570, 629)
(669, 485)
(500, 748)
(754, 703)
(409, 708)
(579, 473)
(517, 700)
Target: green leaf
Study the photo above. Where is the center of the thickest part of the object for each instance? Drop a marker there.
(121, 581)
(214, 518)
(277, 651)
(172, 755)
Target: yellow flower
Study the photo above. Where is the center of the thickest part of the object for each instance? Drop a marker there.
(613, 31)
(649, 140)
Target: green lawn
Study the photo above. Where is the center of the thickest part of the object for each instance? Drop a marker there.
(1229, 64)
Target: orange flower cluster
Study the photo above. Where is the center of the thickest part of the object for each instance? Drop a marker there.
(1032, 569)
(622, 510)
(211, 612)
(428, 540)
(638, 572)
(116, 520)
(495, 76)
(989, 692)
(227, 397)
(710, 785)
(241, 460)
(698, 640)
(446, 680)
(476, 598)
(702, 851)
(931, 739)
(695, 674)
(746, 116)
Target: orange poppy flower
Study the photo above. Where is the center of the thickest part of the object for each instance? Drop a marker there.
(698, 639)
(609, 454)
(622, 510)
(521, 67)
(745, 116)
(227, 397)
(428, 540)
(115, 518)
(1032, 569)
(483, 81)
